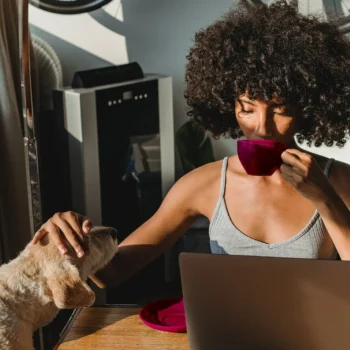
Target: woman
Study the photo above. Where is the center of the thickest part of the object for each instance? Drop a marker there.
(265, 73)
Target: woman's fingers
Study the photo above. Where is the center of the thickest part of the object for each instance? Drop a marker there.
(56, 237)
(39, 235)
(74, 221)
(86, 225)
(72, 226)
(72, 237)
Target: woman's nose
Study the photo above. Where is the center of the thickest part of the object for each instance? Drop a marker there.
(263, 127)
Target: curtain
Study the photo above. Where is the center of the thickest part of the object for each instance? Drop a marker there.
(14, 209)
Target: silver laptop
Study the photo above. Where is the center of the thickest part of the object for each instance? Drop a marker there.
(243, 302)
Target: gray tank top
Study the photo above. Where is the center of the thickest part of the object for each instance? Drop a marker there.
(226, 238)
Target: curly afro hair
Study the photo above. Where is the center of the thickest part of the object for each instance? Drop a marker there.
(271, 52)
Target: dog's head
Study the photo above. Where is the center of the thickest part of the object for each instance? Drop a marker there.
(103, 245)
(66, 274)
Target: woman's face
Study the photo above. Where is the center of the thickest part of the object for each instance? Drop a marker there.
(269, 121)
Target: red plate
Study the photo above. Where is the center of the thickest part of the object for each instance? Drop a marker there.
(167, 315)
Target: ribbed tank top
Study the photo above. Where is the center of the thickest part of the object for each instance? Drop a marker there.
(226, 238)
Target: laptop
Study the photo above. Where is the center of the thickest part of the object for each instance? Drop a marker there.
(245, 302)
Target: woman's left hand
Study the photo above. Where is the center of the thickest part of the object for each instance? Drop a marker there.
(301, 171)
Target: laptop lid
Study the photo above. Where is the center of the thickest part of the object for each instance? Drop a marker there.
(245, 302)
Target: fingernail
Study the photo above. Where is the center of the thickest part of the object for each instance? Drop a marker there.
(62, 250)
(80, 254)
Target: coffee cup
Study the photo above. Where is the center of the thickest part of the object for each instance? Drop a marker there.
(260, 157)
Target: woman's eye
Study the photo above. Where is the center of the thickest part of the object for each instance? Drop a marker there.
(243, 111)
(284, 114)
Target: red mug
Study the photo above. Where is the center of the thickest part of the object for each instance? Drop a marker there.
(260, 157)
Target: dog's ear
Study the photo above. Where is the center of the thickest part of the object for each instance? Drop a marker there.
(68, 290)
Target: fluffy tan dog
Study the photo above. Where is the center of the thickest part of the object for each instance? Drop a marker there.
(40, 281)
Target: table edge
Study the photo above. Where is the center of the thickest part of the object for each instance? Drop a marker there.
(67, 327)
(77, 311)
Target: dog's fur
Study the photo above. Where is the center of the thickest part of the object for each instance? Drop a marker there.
(40, 281)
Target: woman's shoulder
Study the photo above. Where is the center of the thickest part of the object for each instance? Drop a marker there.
(338, 171)
(204, 184)
(201, 186)
(208, 177)
(205, 174)
(339, 177)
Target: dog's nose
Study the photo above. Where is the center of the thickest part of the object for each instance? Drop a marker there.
(114, 233)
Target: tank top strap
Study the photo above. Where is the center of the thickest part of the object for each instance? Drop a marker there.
(328, 165)
(223, 177)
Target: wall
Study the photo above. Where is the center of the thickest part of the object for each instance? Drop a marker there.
(156, 33)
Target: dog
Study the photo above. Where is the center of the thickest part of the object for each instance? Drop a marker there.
(40, 281)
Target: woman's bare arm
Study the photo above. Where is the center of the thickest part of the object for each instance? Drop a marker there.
(150, 240)
(182, 205)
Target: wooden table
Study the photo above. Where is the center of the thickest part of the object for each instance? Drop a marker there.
(115, 327)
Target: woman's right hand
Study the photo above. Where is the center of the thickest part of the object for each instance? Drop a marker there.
(69, 224)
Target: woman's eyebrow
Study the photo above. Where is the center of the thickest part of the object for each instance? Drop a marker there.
(246, 101)
(278, 104)
(272, 104)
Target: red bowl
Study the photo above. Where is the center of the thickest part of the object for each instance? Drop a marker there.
(167, 315)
